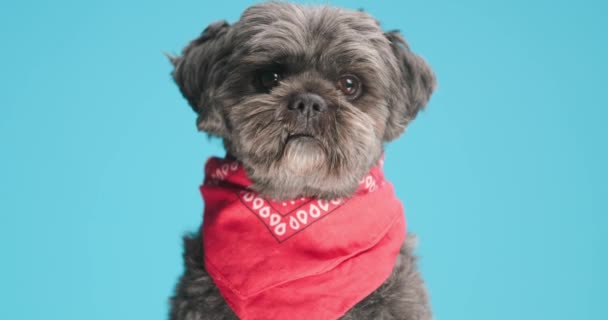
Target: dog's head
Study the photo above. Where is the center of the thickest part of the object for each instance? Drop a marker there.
(303, 96)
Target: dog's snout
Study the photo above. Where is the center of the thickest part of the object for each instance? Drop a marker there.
(308, 104)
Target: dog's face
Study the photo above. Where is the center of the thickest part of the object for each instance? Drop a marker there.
(303, 96)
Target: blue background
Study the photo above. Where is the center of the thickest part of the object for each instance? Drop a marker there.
(503, 176)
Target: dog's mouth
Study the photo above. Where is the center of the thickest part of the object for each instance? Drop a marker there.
(300, 136)
(303, 154)
(303, 142)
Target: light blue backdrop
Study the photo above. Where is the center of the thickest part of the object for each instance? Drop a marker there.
(503, 177)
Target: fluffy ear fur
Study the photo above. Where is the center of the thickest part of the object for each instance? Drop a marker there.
(414, 82)
(199, 71)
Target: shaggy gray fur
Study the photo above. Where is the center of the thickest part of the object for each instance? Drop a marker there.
(286, 155)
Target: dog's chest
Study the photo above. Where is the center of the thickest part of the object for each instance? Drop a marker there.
(266, 255)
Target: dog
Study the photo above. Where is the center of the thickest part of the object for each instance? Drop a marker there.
(303, 98)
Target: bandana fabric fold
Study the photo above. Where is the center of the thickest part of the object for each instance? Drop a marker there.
(297, 259)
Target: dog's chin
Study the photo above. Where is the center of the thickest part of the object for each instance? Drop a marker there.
(303, 155)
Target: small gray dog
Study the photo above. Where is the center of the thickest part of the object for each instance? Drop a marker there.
(304, 97)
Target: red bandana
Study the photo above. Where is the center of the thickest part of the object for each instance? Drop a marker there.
(301, 259)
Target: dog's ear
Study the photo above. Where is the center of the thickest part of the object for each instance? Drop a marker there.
(199, 71)
(413, 84)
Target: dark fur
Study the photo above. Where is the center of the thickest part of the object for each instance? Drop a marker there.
(313, 46)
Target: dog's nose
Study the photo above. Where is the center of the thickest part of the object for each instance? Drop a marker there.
(308, 104)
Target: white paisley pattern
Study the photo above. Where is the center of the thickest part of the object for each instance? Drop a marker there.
(286, 218)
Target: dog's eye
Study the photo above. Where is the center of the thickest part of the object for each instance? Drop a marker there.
(350, 86)
(269, 79)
